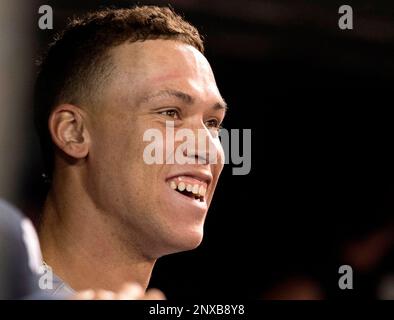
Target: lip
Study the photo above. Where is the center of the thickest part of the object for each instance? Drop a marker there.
(186, 203)
(202, 176)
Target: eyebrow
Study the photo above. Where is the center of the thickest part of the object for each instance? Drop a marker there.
(184, 97)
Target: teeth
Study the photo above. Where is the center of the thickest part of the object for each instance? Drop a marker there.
(181, 186)
(195, 189)
(202, 191)
(198, 190)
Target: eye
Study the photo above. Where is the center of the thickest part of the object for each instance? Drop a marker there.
(173, 113)
(213, 124)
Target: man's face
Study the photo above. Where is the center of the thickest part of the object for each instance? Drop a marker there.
(154, 82)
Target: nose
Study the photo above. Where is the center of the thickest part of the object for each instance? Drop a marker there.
(206, 147)
(197, 153)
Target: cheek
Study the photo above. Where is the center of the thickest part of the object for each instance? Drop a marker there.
(118, 139)
(217, 167)
(216, 171)
(112, 162)
(219, 158)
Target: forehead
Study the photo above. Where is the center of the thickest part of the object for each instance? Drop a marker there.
(143, 67)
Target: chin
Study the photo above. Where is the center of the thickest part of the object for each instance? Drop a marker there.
(184, 241)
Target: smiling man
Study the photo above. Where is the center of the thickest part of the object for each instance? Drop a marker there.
(110, 77)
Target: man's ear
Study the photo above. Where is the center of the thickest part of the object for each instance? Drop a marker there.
(68, 130)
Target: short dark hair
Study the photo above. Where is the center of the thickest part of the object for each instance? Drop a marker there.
(77, 62)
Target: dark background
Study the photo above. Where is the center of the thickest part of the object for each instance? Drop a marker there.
(319, 101)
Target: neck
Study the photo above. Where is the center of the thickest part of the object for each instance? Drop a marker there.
(83, 245)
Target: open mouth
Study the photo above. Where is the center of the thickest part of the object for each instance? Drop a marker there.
(189, 187)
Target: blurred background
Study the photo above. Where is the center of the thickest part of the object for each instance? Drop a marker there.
(319, 101)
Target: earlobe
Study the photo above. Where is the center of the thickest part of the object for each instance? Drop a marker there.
(68, 131)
